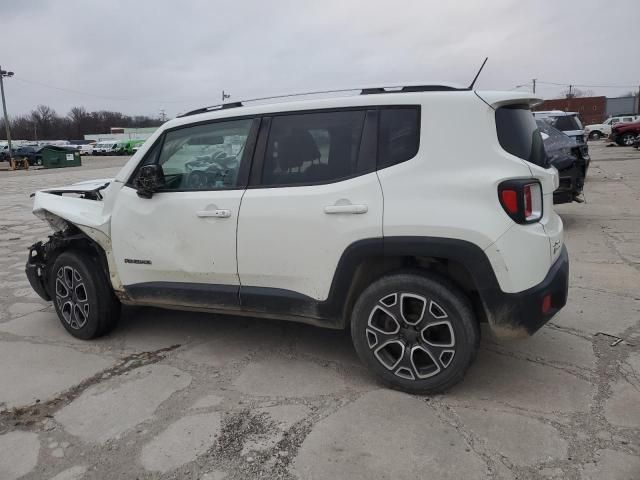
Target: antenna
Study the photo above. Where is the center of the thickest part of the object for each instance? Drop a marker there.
(478, 74)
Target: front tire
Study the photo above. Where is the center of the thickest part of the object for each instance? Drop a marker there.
(82, 296)
(415, 331)
(595, 135)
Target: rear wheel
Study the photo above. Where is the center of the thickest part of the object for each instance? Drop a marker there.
(82, 296)
(595, 135)
(416, 332)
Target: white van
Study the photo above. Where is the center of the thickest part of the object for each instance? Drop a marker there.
(105, 148)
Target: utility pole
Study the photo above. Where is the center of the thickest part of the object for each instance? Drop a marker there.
(4, 73)
(570, 94)
(534, 85)
(163, 116)
(225, 96)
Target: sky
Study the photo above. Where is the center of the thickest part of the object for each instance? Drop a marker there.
(144, 56)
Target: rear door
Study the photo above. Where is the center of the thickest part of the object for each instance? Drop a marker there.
(313, 193)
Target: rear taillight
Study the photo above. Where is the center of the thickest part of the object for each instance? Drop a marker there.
(521, 199)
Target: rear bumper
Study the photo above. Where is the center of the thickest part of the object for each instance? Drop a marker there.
(523, 313)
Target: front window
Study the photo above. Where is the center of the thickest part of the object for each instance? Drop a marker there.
(204, 157)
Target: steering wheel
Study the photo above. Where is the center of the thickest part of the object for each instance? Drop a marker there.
(197, 180)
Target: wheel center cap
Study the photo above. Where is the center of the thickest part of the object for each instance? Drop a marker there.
(410, 334)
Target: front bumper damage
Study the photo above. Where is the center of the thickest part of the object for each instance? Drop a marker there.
(36, 269)
(40, 259)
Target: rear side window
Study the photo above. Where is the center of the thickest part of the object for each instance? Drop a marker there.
(519, 135)
(399, 135)
(312, 148)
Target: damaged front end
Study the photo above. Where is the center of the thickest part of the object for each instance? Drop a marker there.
(36, 269)
(38, 261)
(79, 216)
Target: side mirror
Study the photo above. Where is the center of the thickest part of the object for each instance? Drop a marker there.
(150, 179)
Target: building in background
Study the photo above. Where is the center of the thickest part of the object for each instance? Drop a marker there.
(120, 133)
(592, 109)
(622, 105)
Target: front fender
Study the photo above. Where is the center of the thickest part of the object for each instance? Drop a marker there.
(86, 215)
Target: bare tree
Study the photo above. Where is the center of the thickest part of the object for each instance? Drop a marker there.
(78, 117)
(44, 124)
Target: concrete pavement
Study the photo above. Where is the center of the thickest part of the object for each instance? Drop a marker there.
(186, 395)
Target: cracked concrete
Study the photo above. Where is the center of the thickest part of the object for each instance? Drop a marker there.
(182, 441)
(184, 395)
(109, 409)
(18, 454)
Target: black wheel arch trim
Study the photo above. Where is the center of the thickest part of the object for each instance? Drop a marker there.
(512, 312)
(42, 255)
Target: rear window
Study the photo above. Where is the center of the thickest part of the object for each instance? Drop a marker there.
(566, 123)
(519, 135)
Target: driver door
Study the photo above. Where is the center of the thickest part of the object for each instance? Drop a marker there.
(179, 246)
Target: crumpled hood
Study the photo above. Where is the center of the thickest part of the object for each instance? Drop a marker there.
(80, 187)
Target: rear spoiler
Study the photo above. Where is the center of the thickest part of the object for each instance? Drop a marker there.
(500, 99)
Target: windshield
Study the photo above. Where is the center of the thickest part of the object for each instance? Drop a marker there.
(519, 134)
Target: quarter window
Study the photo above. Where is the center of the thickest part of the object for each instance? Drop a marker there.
(312, 148)
(519, 135)
(399, 135)
(203, 157)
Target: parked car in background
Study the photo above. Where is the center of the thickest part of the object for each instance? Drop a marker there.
(130, 147)
(106, 148)
(567, 122)
(86, 149)
(599, 130)
(4, 153)
(624, 134)
(570, 159)
(30, 152)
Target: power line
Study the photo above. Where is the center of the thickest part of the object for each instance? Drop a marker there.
(104, 97)
(585, 86)
(23, 80)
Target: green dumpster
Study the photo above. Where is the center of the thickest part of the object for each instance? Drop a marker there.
(56, 157)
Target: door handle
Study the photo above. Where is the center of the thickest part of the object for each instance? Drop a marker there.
(220, 213)
(354, 209)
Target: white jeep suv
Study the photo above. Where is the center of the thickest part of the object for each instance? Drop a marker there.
(365, 212)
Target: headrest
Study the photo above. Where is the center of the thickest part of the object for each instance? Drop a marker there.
(297, 148)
